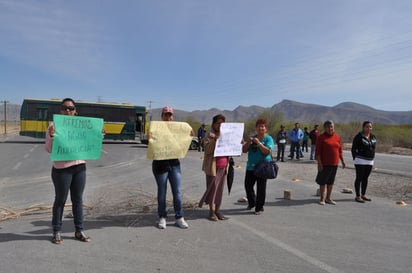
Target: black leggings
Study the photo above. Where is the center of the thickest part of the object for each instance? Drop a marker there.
(361, 181)
(256, 200)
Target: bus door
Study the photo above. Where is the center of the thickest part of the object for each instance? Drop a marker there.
(42, 121)
(139, 123)
(140, 127)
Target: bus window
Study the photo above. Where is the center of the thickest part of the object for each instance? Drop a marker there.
(42, 114)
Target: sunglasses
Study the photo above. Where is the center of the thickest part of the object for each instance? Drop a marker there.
(70, 108)
(168, 114)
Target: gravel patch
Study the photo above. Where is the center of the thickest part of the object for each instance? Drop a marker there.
(395, 187)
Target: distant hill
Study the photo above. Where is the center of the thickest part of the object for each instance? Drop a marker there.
(300, 112)
(342, 113)
(291, 110)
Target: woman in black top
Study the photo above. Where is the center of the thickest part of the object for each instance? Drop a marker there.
(363, 153)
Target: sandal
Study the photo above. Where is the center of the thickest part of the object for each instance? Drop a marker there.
(366, 198)
(213, 217)
(330, 202)
(359, 199)
(57, 238)
(81, 236)
(220, 216)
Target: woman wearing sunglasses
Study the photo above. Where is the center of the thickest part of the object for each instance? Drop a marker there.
(67, 176)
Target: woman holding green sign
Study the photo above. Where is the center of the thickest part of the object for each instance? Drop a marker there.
(67, 176)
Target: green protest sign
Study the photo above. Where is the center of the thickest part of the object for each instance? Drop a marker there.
(76, 138)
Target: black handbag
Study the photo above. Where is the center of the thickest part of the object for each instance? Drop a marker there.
(267, 169)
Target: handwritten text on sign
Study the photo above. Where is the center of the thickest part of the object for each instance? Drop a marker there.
(76, 138)
(229, 142)
(168, 140)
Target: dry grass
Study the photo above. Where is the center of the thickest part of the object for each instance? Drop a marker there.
(109, 202)
(106, 203)
(10, 128)
(7, 214)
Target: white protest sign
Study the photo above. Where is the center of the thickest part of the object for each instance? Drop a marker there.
(229, 142)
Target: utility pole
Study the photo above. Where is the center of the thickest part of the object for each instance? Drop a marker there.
(150, 109)
(5, 115)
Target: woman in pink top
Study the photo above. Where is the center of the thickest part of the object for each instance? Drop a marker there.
(67, 176)
(215, 169)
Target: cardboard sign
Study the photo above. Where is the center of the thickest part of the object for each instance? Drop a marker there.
(76, 138)
(229, 142)
(168, 140)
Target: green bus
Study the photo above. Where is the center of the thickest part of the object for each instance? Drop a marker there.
(121, 121)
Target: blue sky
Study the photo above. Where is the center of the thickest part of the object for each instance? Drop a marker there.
(197, 55)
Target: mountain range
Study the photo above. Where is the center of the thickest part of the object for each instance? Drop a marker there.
(291, 111)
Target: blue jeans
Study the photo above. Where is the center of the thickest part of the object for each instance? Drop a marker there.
(295, 146)
(174, 176)
(312, 151)
(71, 179)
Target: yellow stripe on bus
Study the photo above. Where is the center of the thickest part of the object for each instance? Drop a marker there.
(41, 126)
(113, 128)
(33, 126)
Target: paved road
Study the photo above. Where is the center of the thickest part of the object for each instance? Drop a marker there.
(291, 236)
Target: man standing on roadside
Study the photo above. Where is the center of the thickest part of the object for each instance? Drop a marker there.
(313, 135)
(201, 132)
(281, 138)
(295, 136)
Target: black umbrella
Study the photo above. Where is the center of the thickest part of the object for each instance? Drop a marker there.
(230, 174)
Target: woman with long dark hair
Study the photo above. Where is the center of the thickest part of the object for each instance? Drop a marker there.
(363, 153)
(67, 176)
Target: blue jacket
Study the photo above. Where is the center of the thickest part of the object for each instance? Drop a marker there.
(295, 135)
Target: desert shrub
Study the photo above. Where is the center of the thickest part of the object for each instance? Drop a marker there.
(388, 136)
(274, 119)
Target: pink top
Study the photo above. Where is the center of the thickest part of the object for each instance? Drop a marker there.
(221, 162)
(59, 164)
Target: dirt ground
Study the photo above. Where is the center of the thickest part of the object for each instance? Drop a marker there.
(393, 187)
(10, 129)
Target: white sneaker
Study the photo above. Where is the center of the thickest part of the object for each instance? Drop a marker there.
(162, 223)
(181, 223)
